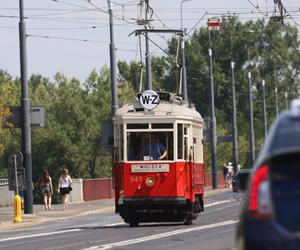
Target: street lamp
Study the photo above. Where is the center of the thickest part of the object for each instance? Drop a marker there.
(234, 123)
(181, 19)
(213, 119)
(264, 109)
(276, 100)
(251, 134)
(184, 82)
(276, 94)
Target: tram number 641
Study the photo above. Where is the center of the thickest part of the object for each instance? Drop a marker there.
(149, 99)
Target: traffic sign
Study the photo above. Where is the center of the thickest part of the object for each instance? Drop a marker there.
(149, 99)
(37, 116)
(16, 157)
(214, 23)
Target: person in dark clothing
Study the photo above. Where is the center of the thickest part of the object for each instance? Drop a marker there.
(225, 172)
(47, 189)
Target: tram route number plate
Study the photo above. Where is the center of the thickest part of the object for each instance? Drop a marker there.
(149, 168)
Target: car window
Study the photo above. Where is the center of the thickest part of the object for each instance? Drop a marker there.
(287, 135)
(285, 186)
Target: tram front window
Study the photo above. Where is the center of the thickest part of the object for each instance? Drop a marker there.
(145, 146)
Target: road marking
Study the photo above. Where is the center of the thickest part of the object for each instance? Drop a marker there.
(115, 224)
(217, 203)
(38, 235)
(159, 236)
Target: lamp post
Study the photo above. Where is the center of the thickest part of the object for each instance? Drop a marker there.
(276, 100)
(276, 94)
(213, 120)
(286, 100)
(251, 133)
(25, 105)
(264, 109)
(112, 53)
(234, 123)
(184, 82)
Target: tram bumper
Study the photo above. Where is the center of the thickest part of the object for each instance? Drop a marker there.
(154, 209)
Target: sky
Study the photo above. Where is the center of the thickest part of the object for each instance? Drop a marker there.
(72, 36)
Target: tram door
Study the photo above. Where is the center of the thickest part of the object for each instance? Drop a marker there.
(183, 142)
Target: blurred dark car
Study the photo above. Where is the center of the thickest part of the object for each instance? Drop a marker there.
(270, 218)
(240, 180)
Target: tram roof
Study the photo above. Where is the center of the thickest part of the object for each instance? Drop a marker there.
(164, 109)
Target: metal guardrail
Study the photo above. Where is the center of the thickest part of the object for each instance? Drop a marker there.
(3, 182)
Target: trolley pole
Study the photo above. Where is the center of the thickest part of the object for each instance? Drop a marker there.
(251, 133)
(213, 121)
(234, 123)
(25, 106)
(112, 52)
(147, 54)
(184, 81)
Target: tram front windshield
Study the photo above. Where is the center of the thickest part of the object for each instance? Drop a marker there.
(150, 146)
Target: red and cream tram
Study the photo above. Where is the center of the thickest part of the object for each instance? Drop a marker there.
(158, 162)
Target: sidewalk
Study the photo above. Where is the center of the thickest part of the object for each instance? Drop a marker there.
(41, 215)
(76, 209)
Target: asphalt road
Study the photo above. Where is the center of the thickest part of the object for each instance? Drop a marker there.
(214, 229)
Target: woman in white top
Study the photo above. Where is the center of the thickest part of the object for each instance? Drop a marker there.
(64, 187)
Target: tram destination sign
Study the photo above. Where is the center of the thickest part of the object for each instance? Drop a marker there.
(149, 99)
(150, 168)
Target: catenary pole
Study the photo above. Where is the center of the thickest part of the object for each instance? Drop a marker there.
(276, 94)
(112, 52)
(184, 78)
(251, 133)
(25, 107)
(234, 123)
(264, 108)
(213, 119)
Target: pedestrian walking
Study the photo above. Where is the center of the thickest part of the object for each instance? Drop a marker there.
(229, 175)
(225, 171)
(46, 189)
(65, 187)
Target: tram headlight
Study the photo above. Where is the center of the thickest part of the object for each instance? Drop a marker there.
(150, 181)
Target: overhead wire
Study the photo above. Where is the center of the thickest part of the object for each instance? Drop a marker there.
(70, 4)
(76, 39)
(196, 24)
(258, 9)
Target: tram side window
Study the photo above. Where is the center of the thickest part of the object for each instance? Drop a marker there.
(121, 143)
(146, 146)
(180, 141)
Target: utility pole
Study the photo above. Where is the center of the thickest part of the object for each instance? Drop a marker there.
(147, 55)
(276, 100)
(264, 109)
(251, 133)
(112, 52)
(25, 105)
(183, 68)
(276, 94)
(286, 100)
(234, 123)
(213, 119)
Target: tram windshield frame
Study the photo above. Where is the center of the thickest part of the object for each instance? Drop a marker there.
(150, 142)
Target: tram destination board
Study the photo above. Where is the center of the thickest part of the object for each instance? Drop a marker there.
(149, 168)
